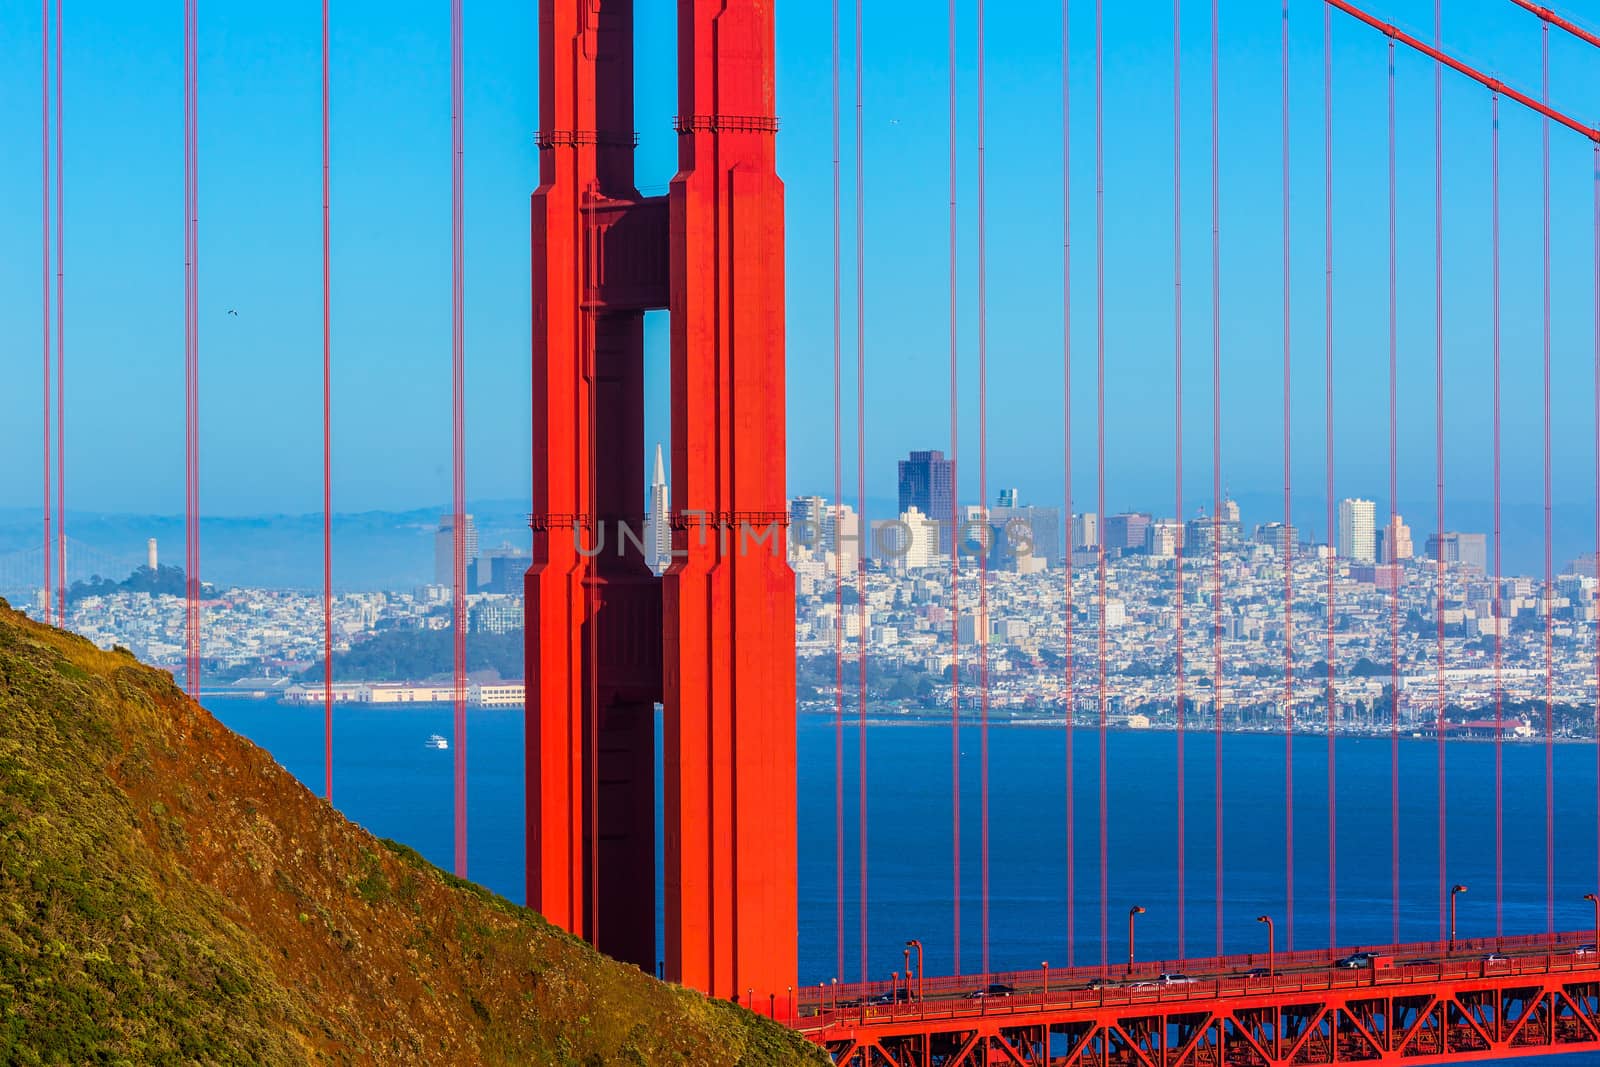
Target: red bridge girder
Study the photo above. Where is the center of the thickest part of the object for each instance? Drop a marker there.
(1462, 1007)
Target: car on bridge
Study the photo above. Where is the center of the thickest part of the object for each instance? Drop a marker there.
(1357, 960)
(993, 989)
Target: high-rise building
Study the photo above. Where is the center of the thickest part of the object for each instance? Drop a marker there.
(926, 480)
(501, 570)
(808, 518)
(444, 550)
(1023, 532)
(822, 529)
(908, 543)
(1467, 549)
(1086, 530)
(1276, 535)
(1356, 525)
(1127, 531)
(1231, 532)
(658, 519)
(1394, 542)
(1163, 538)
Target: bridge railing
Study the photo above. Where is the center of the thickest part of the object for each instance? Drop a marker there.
(1221, 978)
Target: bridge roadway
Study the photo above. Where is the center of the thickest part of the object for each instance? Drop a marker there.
(1478, 999)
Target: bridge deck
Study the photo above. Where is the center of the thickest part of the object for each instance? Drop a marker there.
(1480, 999)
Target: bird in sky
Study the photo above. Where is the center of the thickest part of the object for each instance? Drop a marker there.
(232, 312)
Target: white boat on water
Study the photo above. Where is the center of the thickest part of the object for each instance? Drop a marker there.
(436, 741)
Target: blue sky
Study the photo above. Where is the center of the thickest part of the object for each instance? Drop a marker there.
(260, 234)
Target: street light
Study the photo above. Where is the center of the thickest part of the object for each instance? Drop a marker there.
(1595, 900)
(1455, 889)
(914, 943)
(1046, 965)
(1272, 947)
(1135, 910)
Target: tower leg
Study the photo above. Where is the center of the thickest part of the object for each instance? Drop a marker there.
(730, 704)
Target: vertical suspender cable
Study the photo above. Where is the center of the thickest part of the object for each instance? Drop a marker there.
(1216, 477)
(838, 535)
(1288, 535)
(1069, 697)
(327, 440)
(1394, 598)
(61, 346)
(1499, 615)
(1333, 567)
(1597, 478)
(1177, 447)
(1438, 452)
(861, 488)
(983, 502)
(955, 540)
(459, 463)
(192, 321)
(1549, 580)
(1100, 430)
(44, 253)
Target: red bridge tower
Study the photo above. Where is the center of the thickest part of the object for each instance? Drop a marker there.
(714, 639)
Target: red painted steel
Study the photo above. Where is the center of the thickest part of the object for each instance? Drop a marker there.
(838, 519)
(1100, 426)
(1327, 374)
(1288, 525)
(327, 439)
(1499, 614)
(458, 395)
(1438, 450)
(955, 523)
(862, 635)
(44, 275)
(1394, 516)
(61, 344)
(983, 503)
(1216, 476)
(1069, 701)
(605, 638)
(192, 345)
(1549, 579)
(1566, 25)
(1177, 446)
(1494, 85)
(1418, 1003)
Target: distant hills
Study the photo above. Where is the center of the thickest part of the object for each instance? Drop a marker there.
(374, 550)
(172, 895)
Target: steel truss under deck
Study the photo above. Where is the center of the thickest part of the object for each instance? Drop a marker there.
(1463, 1011)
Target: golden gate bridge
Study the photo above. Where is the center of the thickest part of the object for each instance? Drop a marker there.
(713, 639)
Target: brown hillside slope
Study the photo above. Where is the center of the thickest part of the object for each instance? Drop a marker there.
(169, 894)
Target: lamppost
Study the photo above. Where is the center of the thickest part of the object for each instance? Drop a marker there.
(915, 944)
(1595, 900)
(1135, 910)
(1272, 946)
(836, 994)
(1045, 995)
(1454, 890)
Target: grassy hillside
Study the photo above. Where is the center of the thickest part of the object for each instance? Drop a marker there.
(169, 894)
